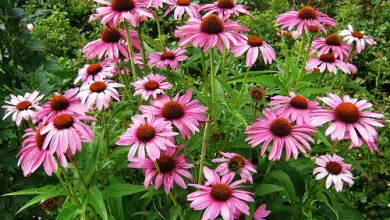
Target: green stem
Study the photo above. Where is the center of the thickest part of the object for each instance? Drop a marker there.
(143, 52)
(213, 101)
(243, 85)
(159, 30)
(334, 81)
(130, 50)
(300, 49)
(350, 53)
(71, 189)
(223, 68)
(157, 167)
(68, 189)
(81, 176)
(320, 79)
(175, 202)
(304, 61)
(204, 74)
(106, 135)
(334, 146)
(31, 124)
(124, 81)
(203, 154)
(268, 169)
(254, 111)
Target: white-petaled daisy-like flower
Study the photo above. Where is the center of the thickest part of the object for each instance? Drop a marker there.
(351, 36)
(151, 85)
(95, 72)
(22, 106)
(336, 170)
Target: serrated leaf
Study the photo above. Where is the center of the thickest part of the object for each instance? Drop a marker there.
(68, 212)
(122, 189)
(96, 200)
(264, 189)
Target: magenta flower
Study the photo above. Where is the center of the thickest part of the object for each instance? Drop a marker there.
(151, 85)
(99, 93)
(224, 7)
(66, 133)
(295, 108)
(68, 103)
(336, 170)
(254, 45)
(153, 134)
(22, 107)
(182, 6)
(351, 36)
(118, 10)
(219, 196)
(167, 58)
(232, 163)
(209, 32)
(304, 18)
(347, 116)
(32, 155)
(95, 72)
(172, 166)
(332, 43)
(186, 115)
(327, 61)
(261, 212)
(112, 42)
(282, 133)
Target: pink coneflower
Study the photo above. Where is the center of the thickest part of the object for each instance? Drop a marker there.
(68, 103)
(153, 134)
(22, 106)
(295, 108)
(99, 93)
(303, 18)
(182, 6)
(151, 85)
(352, 68)
(219, 196)
(347, 115)
(370, 144)
(117, 10)
(332, 43)
(112, 42)
(32, 155)
(254, 45)
(95, 72)
(261, 212)
(282, 133)
(232, 163)
(186, 115)
(172, 166)
(351, 36)
(67, 131)
(167, 58)
(327, 61)
(336, 170)
(209, 32)
(157, 4)
(224, 7)
(289, 35)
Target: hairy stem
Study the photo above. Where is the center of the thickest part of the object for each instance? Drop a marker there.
(130, 50)
(203, 154)
(212, 79)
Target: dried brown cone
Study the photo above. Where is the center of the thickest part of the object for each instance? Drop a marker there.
(257, 92)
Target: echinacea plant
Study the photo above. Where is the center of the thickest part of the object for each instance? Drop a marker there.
(206, 119)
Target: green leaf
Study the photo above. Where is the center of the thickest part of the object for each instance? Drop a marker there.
(35, 45)
(355, 164)
(308, 91)
(122, 189)
(55, 191)
(286, 182)
(69, 212)
(359, 88)
(32, 191)
(252, 73)
(91, 163)
(226, 86)
(264, 189)
(323, 198)
(152, 192)
(96, 200)
(310, 77)
(3, 2)
(320, 135)
(191, 214)
(175, 211)
(119, 151)
(263, 80)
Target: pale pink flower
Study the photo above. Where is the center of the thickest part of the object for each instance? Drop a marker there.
(331, 44)
(151, 85)
(30, 27)
(157, 4)
(336, 170)
(66, 133)
(370, 144)
(114, 12)
(219, 196)
(282, 133)
(99, 93)
(22, 107)
(112, 42)
(32, 155)
(171, 165)
(261, 212)
(254, 45)
(95, 72)
(352, 68)
(209, 32)
(327, 61)
(153, 134)
(167, 58)
(347, 116)
(290, 35)
(122, 65)
(303, 18)
(351, 36)
(182, 6)
(186, 115)
(225, 7)
(295, 108)
(68, 103)
(235, 163)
